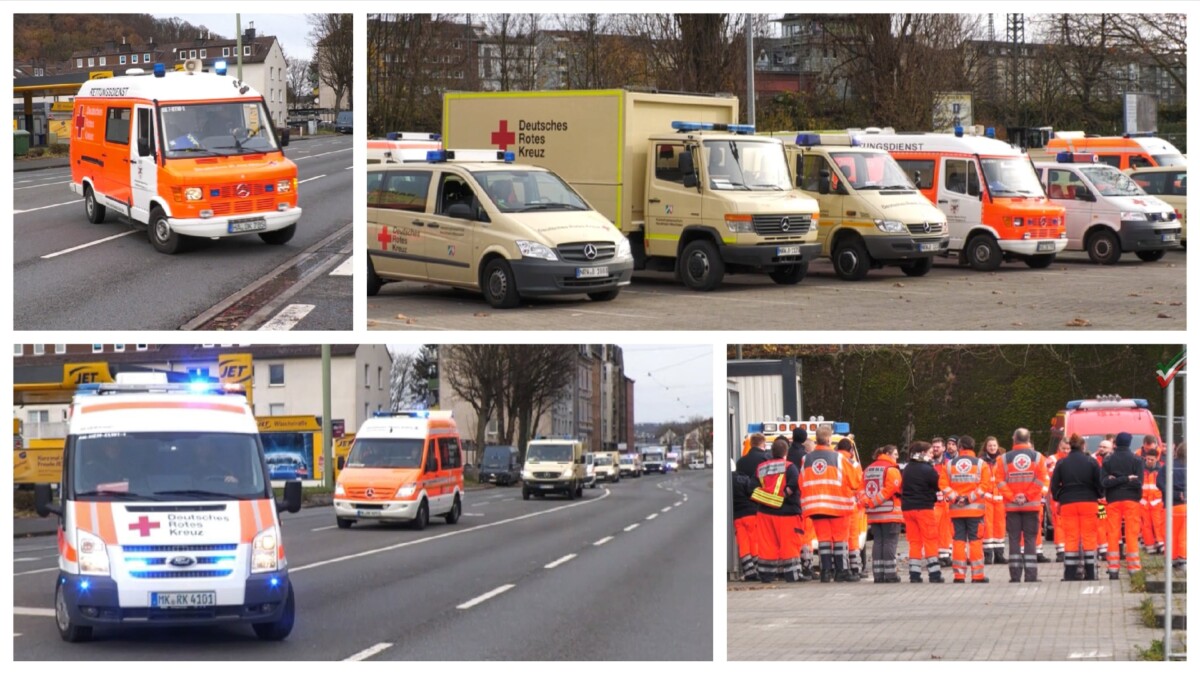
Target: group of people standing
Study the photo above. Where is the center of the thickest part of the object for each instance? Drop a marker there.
(956, 508)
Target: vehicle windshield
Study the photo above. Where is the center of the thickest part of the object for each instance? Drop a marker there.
(1111, 182)
(495, 456)
(747, 165)
(626, 460)
(872, 171)
(518, 191)
(604, 461)
(1011, 177)
(386, 453)
(217, 129)
(1169, 160)
(551, 452)
(652, 457)
(166, 466)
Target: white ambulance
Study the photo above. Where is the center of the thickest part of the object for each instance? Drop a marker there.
(166, 513)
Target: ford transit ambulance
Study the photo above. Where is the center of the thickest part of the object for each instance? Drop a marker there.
(186, 153)
(1130, 151)
(871, 213)
(167, 517)
(1168, 183)
(994, 205)
(1107, 213)
(554, 465)
(404, 466)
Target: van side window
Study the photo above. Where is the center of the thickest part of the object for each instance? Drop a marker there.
(912, 166)
(374, 185)
(666, 162)
(431, 455)
(450, 455)
(116, 126)
(401, 190)
(145, 129)
(454, 190)
(1138, 161)
(1063, 184)
(1111, 160)
(810, 173)
(962, 177)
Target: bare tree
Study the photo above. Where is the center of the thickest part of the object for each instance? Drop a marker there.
(477, 373)
(1160, 38)
(413, 59)
(332, 39)
(511, 61)
(297, 78)
(702, 53)
(402, 380)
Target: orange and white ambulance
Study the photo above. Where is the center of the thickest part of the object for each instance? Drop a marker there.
(166, 514)
(390, 150)
(403, 466)
(994, 204)
(1130, 151)
(187, 153)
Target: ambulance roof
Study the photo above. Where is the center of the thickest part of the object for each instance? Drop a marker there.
(149, 412)
(172, 86)
(920, 142)
(408, 424)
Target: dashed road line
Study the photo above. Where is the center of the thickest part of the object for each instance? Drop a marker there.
(288, 317)
(49, 206)
(308, 179)
(369, 652)
(482, 503)
(346, 269)
(319, 529)
(486, 596)
(602, 541)
(33, 611)
(558, 562)
(44, 569)
(632, 527)
(34, 187)
(665, 509)
(678, 504)
(322, 154)
(652, 516)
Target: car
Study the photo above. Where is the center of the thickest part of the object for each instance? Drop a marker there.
(344, 123)
(1168, 183)
(696, 464)
(287, 466)
(501, 465)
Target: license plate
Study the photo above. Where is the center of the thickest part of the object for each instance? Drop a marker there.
(591, 272)
(787, 250)
(368, 514)
(1045, 246)
(1174, 236)
(247, 225)
(545, 487)
(183, 600)
(929, 247)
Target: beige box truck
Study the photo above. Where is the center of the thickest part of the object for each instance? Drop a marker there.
(694, 192)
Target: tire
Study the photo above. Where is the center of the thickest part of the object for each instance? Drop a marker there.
(573, 492)
(374, 283)
(1151, 256)
(68, 630)
(604, 296)
(1040, 262)
(422, 520)
(789, 275)
(499, 285)
(1104, 248)
(700, 266)
(917, 268)
(455, 512)
(275, 631)
(160, 234)
(344, 523)
(280, 236)
(579, 491)
(983, 253)
(525, 493)
(851, 261)
(94, 210)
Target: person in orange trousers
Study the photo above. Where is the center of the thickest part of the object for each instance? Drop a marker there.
(918, 495)
(745, 510)
(1154, 514)
(967, 479)
(1103, 450)
(1122, 480)
(1178, 552)
(1075, 486)
(827, 495)
(941, 511)
(1063, 448)
(993, 520)
(778, 498)
(857, 525)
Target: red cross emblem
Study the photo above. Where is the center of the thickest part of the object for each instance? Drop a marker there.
(385, 237)
(819, 467)
(143, 526)
(503, 138)
(79, 125)
(1022, 462)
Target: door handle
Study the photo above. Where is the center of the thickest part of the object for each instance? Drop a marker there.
(433, 226)
(943, 201)
(419, 223)
(654, 200)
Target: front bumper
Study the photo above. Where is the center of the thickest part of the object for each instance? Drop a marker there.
(1140, 235)
(1024, 247)
(884, 248)
(544, 277)
(219, 226)
(390, 510)
(548, 485)
(767, 255)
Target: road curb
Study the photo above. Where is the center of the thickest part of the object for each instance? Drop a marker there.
(45, 164)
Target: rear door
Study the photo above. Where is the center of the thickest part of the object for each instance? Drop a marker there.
(143, 166)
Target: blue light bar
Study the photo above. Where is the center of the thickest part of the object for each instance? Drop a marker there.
(741, 128)
(393, 135)
(958, 131)
(1064, 157)
(220, 67)
(435, 156)
(841, 428)
(691, 126)
(1141, 403)
(990, 132)
(509, 157)
(754, 428)
(160, 70)
(808, 139)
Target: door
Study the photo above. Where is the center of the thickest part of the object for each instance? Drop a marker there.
(451, 238)
(143, 164)
(959, 198)
(671, 206)
(117, 157)
(809, 173)
(396, 204)
(1065, 188)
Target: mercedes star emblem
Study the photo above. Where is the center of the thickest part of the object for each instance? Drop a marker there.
(589, 251)
(784, 225)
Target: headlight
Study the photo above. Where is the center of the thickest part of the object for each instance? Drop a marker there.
(1133, 215)
(339, 491)
(567, 473)
(532, 249)
(892, 226)
(193, 194)
(93, 554)
(283, 186)
(406, 491)
(265, 552)
(623, 250)
(739, 223)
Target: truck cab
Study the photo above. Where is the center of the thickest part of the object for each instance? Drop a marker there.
(553, 466)
(654, 460)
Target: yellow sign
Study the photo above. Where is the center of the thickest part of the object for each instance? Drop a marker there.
(237, 369)
(288, 423)
(100, 74)
(341, 450)
(39, 463)
(62, 106)
(75, 374)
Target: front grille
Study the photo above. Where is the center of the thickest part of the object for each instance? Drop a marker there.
(243, 206)
(361, 493)
(1042, 233)
(918, 229)
(368, 507)
(796, 223)
(230, 191)
(175, 548)
(195, 574)
(546, 474)
(575, 252)
(572, 282)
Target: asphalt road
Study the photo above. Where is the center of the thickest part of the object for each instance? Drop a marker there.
(71, 274)
(625, 573)
(1072, 294)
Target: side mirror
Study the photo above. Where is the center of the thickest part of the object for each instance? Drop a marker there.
(143, 148)
(291, 497)
(463, 211)
(285, 137)
(341, 463)
(823, 182)
(687, 169)
(42, 501)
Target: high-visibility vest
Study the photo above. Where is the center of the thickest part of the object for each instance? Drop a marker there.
(1151, 495)
(881, 491)
(772, 479)
(967, 477)
(824, 484)
(1022, 472)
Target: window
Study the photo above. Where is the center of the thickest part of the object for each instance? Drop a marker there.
(182, 55)
(225, 51)
(145, 132)
(455, 191)
(18, 350)
(145, 57)
(276, 379)
(922, 166)
(60, 349)
(1063, 184)
(192, 54)
(666, 162)
(400, 190)
(116, 128)
(141, 348)
(246, 50)
(91, 61)
(962, 177)
(276, 409)
(204, 53)
(123, 60)
(39, 350)
(1111, 160)
(380, 375)
(808, 172)
(366, 376)
(97, 349)
(78, 63)
(118, 348)
(451, 457)
(103, 60)
(134, 57)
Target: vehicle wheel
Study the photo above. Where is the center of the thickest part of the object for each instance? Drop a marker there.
(278, 630)
(851, 261)
(579, 491)
(789, 275)
(573, 492)
(68, 630)
(525, 493)
(422, 520)
(604, 296)
(280, 236)
(983, 253)
(499, 285)
(1151, 256)
(344, 523)
(1104, 248)
(701, 267)
(1039, 262)
(161, 236)
(455, 512)
(917, 268)
(374, 283)
(95, 212)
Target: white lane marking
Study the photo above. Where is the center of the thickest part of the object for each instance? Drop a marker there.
(308, 179)
(652, 516)
(322, 154)
(482, 503)
(83, 246)
(1092, 590)
(1090, 654)
(508, 500)
(34, 187)
(16, 635)
(685, 498)
(678, 504)
(32, 559)
(318, 529)
(455, 533)
(33, 611)
(39, 208)
(632, 527)
(486, 596)
(348, 168)
(44, 569)
(369, 652)
(346, 269)
(475, 515)
(288, 317)
(665, 509)
(558, 562)
(602, 541)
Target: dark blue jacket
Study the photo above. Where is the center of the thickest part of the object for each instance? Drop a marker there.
(1118, 467)
(1178, 482)
(745, 479)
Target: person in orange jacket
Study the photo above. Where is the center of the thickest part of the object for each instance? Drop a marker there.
(1178, 552)
(993, 520)
(778, 499)
(966, 482)
(746, 510)
(1154, 514)
(880, 497)
(827, 489)
(1062, 449)
(1022, 480)
(857, 526)
(941, 511)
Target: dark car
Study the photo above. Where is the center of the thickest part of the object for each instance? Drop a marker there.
(500, 465)
(344, 123)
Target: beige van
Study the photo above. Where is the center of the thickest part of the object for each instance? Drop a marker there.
(553, 465)
(475, 220)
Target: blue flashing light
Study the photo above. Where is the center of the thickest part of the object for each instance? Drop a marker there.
(990, 132)
(269, 187)
(160, 70)
(741, 128)
(808, 139)
(435, 137)
(958, 131)
(134, 564)
(841, 428)
(854, 142)
(88, 387)
(690, 126)
(435, 156)
(393, 135)
(1064, 157)
(754, 428)
(1074, 405)
(1141, 403)
(509, 157)
(220, 67)
(198, 387)
(214, 193)
(84, 585)
(274, 582)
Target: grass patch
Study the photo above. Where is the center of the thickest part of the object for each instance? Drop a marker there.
(57, 150)
(1146, 609)
(1153, 653)
(1137, 581)
(1153, 563)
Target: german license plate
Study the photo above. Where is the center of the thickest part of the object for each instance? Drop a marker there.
(929, 247)
(591, 272)
(787, 250)
(368, 514)
(1045, 246)
(183, 600)
(247, 225)
(1173, 236)
(545, 487)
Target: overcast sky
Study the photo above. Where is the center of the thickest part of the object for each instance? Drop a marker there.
(290, 29)
(671, 382)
